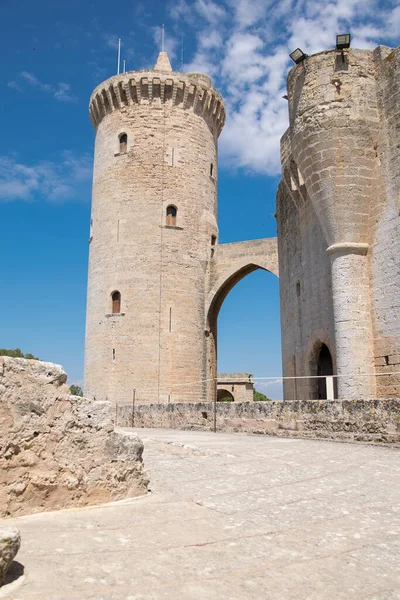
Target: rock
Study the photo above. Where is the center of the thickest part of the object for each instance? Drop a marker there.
(10, 542)
(57, 450)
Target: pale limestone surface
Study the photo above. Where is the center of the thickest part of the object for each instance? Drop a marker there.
(338, 223)
(10, 542)
(372, 421)
(161, 347)
(239, 385)
(58, 450)
(230, 517)
(172, 121)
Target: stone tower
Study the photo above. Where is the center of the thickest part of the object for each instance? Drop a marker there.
(153, 222)
(338, 224)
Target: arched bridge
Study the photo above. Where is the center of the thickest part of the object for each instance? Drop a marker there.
(232, 262)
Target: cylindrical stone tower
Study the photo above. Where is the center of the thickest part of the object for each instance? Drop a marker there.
(334, 124)
(153, 221)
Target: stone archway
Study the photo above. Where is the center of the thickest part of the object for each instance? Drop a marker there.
(321, 364)
(232, 262)
(224, 396)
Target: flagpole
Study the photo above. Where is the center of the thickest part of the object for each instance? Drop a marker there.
(119, 55)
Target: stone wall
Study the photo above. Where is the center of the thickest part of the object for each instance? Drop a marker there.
(338, 225)
(57, 450)
(305, 295)
(161, 346)
(376, 421)
(172, 122)
(239, 386)
(385, 222)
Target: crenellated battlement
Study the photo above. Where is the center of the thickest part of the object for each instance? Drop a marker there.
(191, 91)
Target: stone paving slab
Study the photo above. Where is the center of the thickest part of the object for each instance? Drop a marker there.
(230, 516)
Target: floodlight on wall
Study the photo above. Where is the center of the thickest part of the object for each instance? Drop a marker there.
(343, 41)
(298, 56)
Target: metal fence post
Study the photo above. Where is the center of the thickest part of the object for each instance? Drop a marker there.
(330, 393)
(215, 408)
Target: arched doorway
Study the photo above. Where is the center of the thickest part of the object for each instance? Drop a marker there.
(217, 298)
(324, 367)
(225, 396)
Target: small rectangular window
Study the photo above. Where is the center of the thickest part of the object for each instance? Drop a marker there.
(113, 353)
(116, 302)
(211, 170)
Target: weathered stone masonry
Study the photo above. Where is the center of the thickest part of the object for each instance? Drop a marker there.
(58, 450)
(373, 421)
(338, 232)
(338, 222)
(169, 276)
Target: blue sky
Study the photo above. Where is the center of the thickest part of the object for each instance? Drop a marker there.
(54, 54)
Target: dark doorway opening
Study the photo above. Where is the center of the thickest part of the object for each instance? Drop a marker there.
(324, 367)
(224, 396)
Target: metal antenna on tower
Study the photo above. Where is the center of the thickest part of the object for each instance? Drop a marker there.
(124, 65)
(119, 55)
(162, 38)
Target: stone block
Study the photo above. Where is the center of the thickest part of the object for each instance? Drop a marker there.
(10, 542)
(394, 359)
(58, 450)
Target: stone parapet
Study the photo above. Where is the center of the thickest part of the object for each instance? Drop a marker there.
(191, 91)
(373, 421)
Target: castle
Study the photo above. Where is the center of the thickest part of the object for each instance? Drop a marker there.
(158, 276)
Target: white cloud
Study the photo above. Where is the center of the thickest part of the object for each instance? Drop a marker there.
(46, 180)
(61, 91)
(213, 39)
(272, 388)
(34, 81)
(244, 45)
(14, 86)
(394, 23)
(249, 12)
(111, 40)
(209, 10)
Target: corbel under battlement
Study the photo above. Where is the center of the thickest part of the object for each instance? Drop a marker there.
(190, 91)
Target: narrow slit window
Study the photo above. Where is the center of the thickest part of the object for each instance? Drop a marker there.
(172, 212)
(123, 142)
(211, 170)
(213, 242)
(116, 302)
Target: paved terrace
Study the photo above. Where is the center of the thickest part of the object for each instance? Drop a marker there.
(230, 516)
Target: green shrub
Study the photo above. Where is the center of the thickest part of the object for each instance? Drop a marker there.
(259, 397)
(17, 353)
(75, 390)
